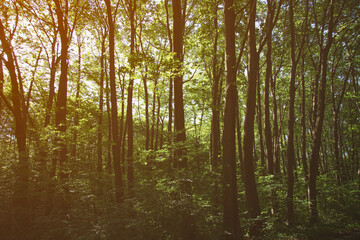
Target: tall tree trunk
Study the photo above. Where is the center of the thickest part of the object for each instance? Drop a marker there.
(231, 214)
(1, 85)
(157, 123)
(215, 110)
(147, 124)
(268, 136)
(60, 112)
(170, 133)
(49, 108)
(109, 120)
(171, 80)
(315, 96)
(252, 200)
(100, 118)
(77, 97)
(153, 115)
(53, 66)
(291, 122)
(259, 125)
(119, 194)
(179, 10)
(129, 116)
(276, 131)
(239, 139)
(123, 126)
(314, 160)
(303, 122)
(22, 167)
(336, 111)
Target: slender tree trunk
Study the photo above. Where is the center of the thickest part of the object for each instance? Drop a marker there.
(180, 158)
(267, 124)
(20, 199)
(157, 123)
(259, 125)
(49, 107)
(231, 215)
(303, 122)
(108, 113)
(291, 122)
(161, 133)
(53, 67)
(239, 139)
(1, 85)
(170, 100)
(153, 116)
(252, 200)
(268, 136)
(123, 127)
(77, 96)
(60, 112)
(129, 116)
(100, 118)
(336, 125)
(276, 131)
(315, 96)
(215, 110)
(119, 194)
(178, 35)
(147, 124)
(314, 160)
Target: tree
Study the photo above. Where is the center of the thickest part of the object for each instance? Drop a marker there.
(60, 112)
(215, 107)
(19, 113)
(231, 215)
(291, 120)
(129, 117)
(252, 200)
(1, 85)
(119, 194)
(314, 160)
(179, 10)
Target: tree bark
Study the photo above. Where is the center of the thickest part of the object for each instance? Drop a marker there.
(129, 116)
(1, 85)
(231, 214)
(77, 96)
(147, 124)
(303, 122)
(53, 66)
(178, 37)
(101, 105)
(259, 125)
(276, 130)
(119, 194)
(252, 200)
(267, 127)
(314, 160)
(171, 80)
(215, 109)
(336, 110)
(99, 164)
(291, 122)
(109, 120)
(22, 167)
(153, 115)
(61, 102)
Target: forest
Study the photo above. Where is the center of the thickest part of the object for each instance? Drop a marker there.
(179, 119)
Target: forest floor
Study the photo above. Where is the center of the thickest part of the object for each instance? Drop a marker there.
(352, 235)
(355, 235)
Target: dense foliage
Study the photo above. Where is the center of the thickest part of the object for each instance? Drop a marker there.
(161, 72)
